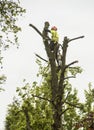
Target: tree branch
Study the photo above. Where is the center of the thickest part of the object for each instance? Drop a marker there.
(65, 110)
(41, 57)
(74, 105)
(71, 64)
(75, 38)
(45, 38)
(31, 25)
(73, 68)
(42, 98)
(69, 77)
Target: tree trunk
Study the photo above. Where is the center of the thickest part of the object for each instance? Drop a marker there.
(57, 82)
(58, 97)
(28, 126)
(57, 85)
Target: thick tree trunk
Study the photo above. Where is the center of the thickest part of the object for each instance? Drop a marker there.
(58, 96)
(57, 110)
(57, 85)
(28, 126)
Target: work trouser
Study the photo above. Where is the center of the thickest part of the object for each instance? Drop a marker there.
(52, 45)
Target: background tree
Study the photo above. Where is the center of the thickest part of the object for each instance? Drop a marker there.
(9, 14)
(35, 104)
(35, 112)
(87, 115)
(89, 99)
(15, 119)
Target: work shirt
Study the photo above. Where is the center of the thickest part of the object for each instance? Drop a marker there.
(54, 37)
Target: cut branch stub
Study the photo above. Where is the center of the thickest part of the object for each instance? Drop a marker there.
(75, 38)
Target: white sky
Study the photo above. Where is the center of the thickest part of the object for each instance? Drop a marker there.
(73, 18)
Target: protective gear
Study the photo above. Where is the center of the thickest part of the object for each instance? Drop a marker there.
(54, 36)
(54, 28)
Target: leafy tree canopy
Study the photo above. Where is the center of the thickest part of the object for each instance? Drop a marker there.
(10, 10)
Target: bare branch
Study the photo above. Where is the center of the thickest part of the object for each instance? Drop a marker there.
(69, 77)
(75, 38)
(31, 25)
(41, 57)
(45, 38)
(65, 110)
(73, 68)
(74, 105)
(71, 64)
(42, 98)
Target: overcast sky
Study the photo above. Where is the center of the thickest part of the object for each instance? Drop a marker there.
(73, 18)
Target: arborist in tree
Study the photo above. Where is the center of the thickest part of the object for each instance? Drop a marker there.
(54, 35)
(54, 38)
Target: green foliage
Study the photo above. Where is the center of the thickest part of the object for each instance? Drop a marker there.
(36, 100)
(2, 81)
(39, 110)
(89, 99)
(15, 118)
(9, 15)
(9, 12)
(71, 108)
(75, 70)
